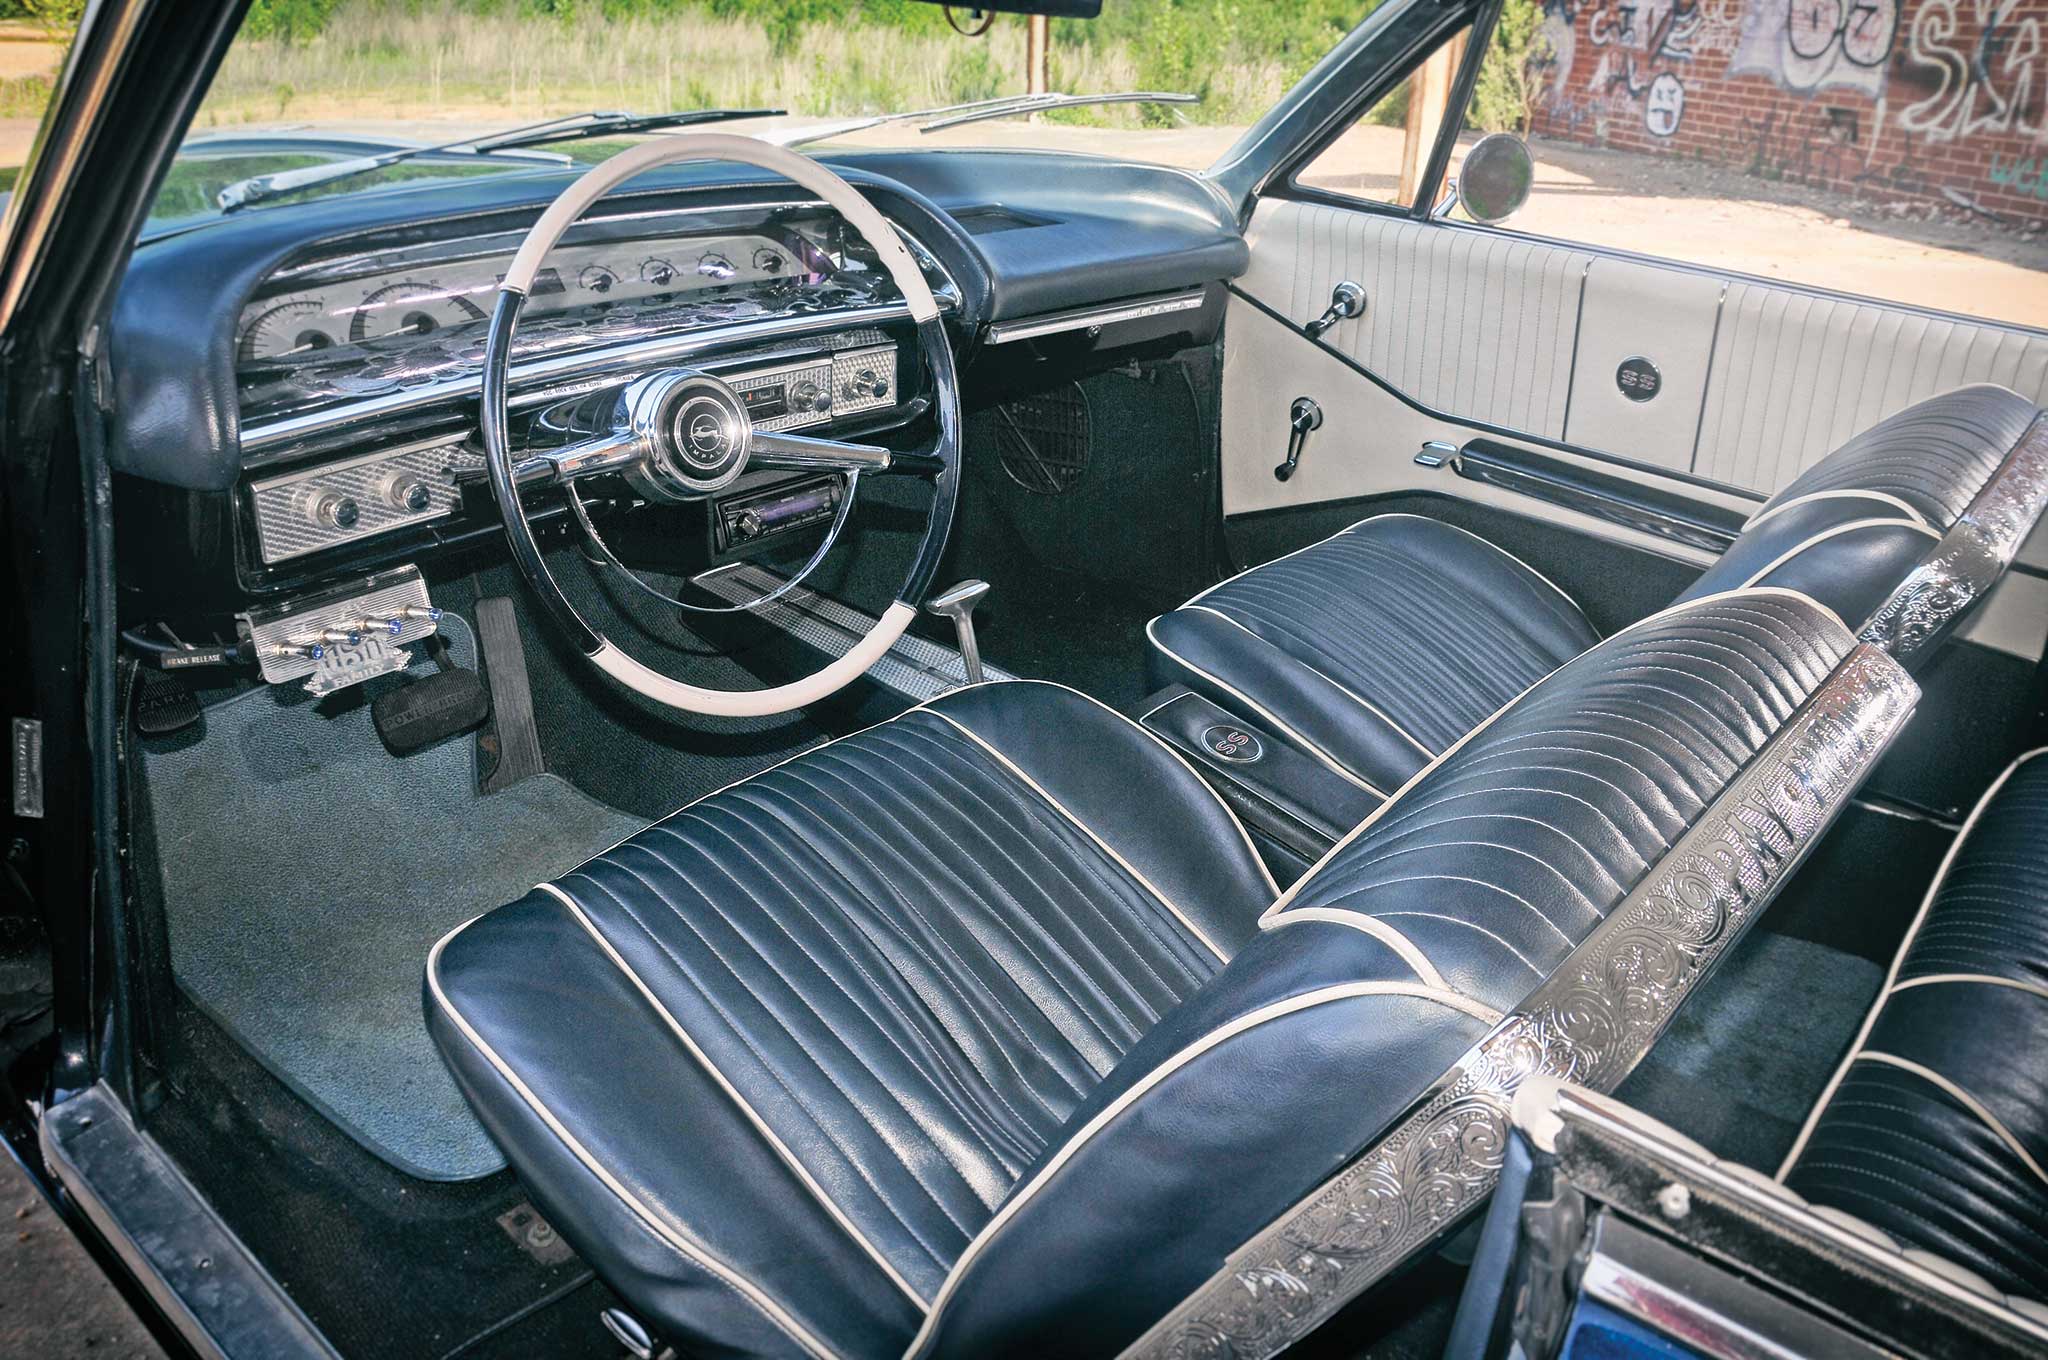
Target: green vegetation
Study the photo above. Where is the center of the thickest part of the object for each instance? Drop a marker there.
(519, 58)
(1504, 99)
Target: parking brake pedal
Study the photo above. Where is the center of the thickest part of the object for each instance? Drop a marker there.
(509, 749)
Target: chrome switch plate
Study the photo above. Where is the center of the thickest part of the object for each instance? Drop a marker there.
(276, 634)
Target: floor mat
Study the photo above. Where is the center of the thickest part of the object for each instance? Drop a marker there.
(1747, 1056)
(306, 874)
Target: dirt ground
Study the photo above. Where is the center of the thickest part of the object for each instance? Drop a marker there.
(54, 1303)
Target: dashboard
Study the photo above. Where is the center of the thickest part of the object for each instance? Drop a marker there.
(295, 387)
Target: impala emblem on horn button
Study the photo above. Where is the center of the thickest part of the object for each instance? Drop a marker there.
(695, 433)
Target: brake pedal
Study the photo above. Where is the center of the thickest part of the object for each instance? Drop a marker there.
(508, 750)
(421, 712)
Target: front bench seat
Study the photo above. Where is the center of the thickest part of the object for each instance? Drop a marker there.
(1380, 646)
(966, 1035)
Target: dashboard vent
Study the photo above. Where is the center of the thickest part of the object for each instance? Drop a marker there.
(1044, 439)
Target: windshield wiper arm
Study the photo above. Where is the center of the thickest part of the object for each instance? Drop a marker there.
(953, 115)
(577, 127)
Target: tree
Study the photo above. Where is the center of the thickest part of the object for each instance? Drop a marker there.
(1504, 100)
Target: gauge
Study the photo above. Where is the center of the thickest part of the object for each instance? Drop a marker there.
(414, 307)
(769, 261)
(597, 279)
(658, 272)
(291, 326)
(716, 266)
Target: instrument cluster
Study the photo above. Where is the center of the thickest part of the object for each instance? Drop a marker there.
(447, 296)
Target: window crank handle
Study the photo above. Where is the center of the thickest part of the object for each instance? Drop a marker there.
(1304, 415)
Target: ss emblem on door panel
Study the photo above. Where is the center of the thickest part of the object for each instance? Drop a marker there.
(1638, 379)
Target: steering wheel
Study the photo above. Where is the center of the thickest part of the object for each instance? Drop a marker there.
(681, 434)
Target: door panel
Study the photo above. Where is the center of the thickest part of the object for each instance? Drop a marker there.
(1796, 374)
(1476, 324)
(1525, 336)
(1634, 311)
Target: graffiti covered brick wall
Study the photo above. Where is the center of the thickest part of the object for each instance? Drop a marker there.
(1900, 101)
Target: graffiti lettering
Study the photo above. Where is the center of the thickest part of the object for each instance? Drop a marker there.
(2029, 176)
(1990, 86)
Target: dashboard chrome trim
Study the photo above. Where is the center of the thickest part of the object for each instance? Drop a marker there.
(547, 379)
(281, 504)
(1085, 318)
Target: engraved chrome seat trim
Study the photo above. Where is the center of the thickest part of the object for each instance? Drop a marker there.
(1971, 557)
(1590, 1022)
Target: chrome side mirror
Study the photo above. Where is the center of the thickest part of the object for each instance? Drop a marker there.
(1495, 180)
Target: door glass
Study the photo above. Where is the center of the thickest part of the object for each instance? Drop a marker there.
(1892, 148)
(1382, 157)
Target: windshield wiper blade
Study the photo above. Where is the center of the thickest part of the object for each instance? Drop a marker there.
(1038, 103)
(953, 115)
(576, 127)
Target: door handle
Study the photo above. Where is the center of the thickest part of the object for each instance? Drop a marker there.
(1304, 415)
(1347, 300)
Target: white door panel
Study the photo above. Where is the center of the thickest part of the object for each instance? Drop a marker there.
(1368, 440)
(1795, 375)
(1526, 336)
(1473, 323)
(1635, 311)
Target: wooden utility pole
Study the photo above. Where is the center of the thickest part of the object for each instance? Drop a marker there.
(1037, 54)
(1429, 97)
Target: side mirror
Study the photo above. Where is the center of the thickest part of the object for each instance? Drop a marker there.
(1495, 180)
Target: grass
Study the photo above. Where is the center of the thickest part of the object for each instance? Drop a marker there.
(390, 59)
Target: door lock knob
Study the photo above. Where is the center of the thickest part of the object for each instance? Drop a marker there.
(1347, 300)
(1303, 416)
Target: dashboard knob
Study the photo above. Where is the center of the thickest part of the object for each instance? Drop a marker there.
(808, 396)
(403, 491)
(333, 510)
(748, 525)
(866, 384)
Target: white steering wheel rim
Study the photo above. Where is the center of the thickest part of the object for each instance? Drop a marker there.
(518, 281)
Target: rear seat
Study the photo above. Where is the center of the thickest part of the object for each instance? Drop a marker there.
(1935, 1128)
(1380, 647)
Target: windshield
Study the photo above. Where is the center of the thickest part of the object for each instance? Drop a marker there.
(315, 82)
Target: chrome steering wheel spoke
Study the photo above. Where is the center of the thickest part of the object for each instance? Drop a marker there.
(802, 453)
(613, 452)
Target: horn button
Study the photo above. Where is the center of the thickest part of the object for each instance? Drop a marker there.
(693, 430)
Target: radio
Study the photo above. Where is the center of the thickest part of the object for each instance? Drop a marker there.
(747, 519)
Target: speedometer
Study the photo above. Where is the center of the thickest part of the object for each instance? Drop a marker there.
(414, 307)
(293, 325)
